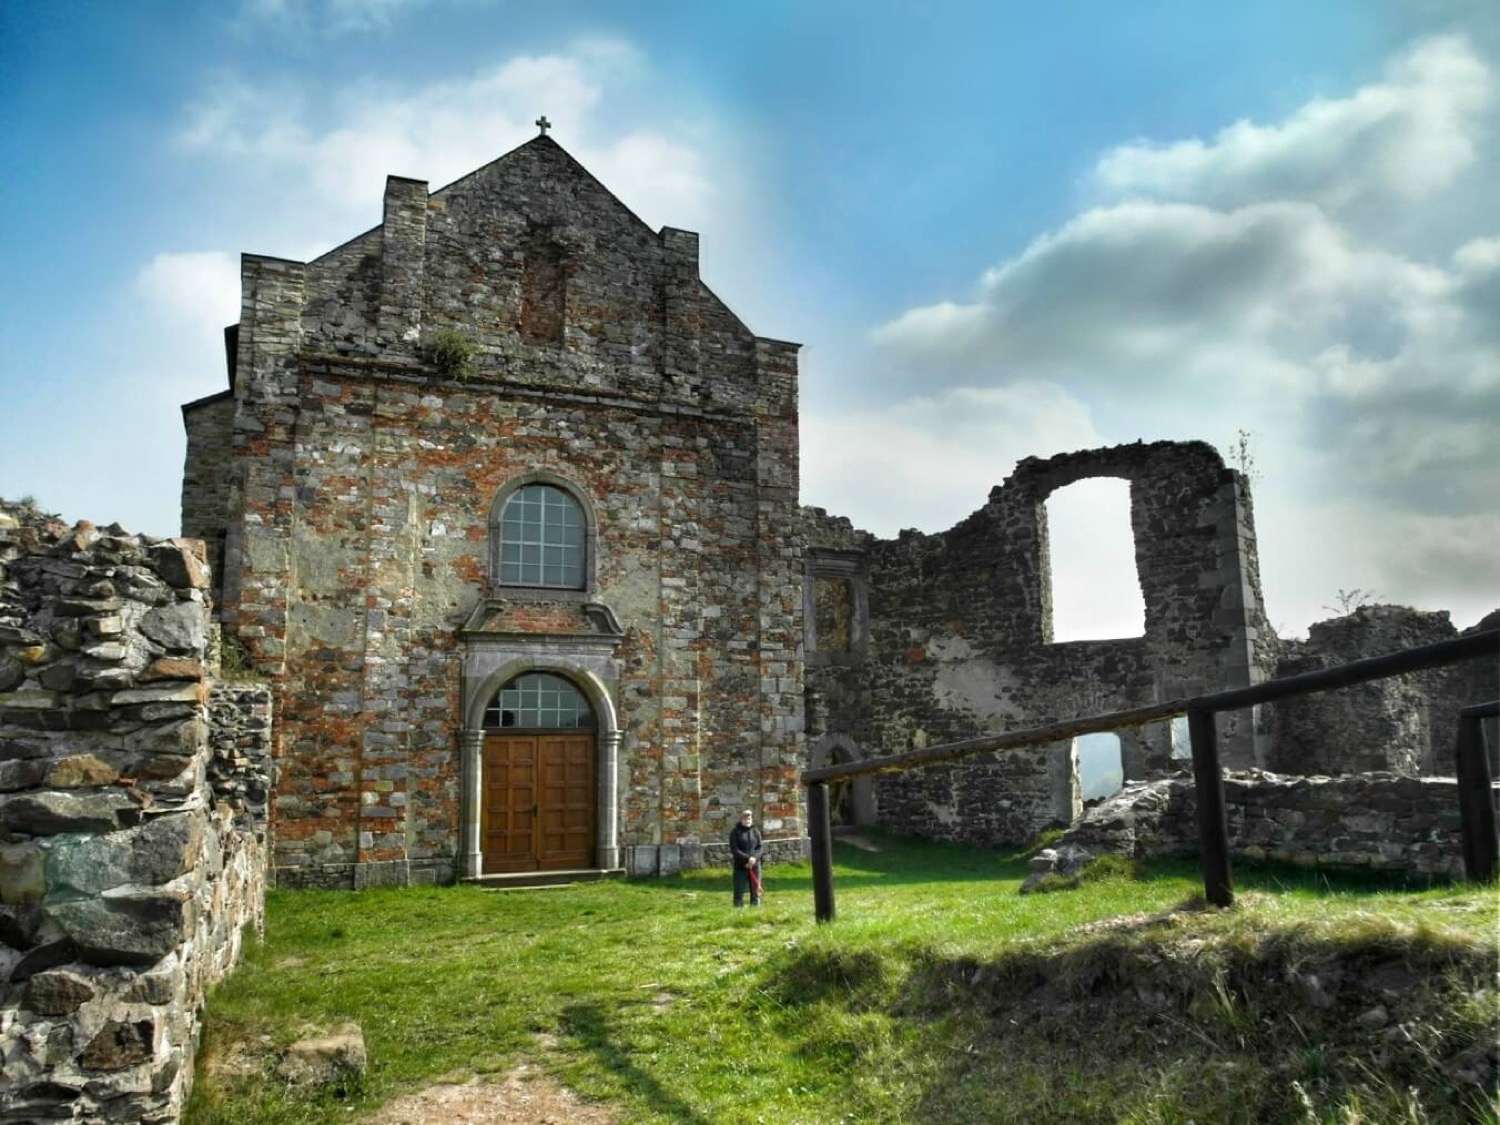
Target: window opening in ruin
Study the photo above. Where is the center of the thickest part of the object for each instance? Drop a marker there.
(833, 606)
(1101, 771)
(542, 539)
(1096, 589)
(543, 294)
(1182, 746)
(539, 701)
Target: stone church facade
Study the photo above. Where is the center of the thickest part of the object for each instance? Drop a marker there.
(503, 501)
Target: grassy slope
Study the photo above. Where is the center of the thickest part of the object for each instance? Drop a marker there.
(939, 995)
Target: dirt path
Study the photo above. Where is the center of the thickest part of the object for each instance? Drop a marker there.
(525, 1096)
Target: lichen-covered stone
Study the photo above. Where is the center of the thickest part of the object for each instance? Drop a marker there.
(56, 993)
(80, 770)
(22, 773)
(179, 627)
(180, 564)
(172, 668)
(125, 926)
(51, 812)
(12, 673)
(119, 1044)
(21, 872)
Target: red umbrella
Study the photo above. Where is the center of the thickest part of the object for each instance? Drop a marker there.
(754, 873)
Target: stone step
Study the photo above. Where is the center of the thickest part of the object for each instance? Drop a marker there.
(541, 880)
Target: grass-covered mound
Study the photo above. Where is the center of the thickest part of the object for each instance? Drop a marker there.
(939, 995)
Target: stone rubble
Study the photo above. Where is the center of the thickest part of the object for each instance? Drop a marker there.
(1378, 821)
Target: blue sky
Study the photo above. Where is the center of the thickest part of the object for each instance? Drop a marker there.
(1000, 229)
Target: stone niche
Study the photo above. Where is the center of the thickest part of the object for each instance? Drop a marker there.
(133, 792)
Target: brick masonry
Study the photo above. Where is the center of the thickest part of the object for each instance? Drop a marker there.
(356, 501)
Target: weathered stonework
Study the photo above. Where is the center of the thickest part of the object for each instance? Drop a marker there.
(1406, 724)
(360, 496)
(521, 328)
(132, 840)
(958, 640)
(1380, 821)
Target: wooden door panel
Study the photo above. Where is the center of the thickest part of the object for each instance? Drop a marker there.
(510, 765)
(566, 805)
(538, 796)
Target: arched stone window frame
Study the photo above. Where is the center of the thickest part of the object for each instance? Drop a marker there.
(590, 539)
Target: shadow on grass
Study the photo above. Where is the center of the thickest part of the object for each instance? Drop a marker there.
(906, 861)
(589, 1025)
(898, 862)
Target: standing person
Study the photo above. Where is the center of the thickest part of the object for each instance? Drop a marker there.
(745, 847)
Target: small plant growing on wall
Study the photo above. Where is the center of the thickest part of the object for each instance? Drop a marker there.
(1242, 456)
(236, 665)
(1351, 600)
(452, 353)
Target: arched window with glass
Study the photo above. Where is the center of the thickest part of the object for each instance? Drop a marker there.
(539, 701)
(541, 539)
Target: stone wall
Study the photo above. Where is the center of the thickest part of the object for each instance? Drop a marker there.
(209, 423)
(362, 492)
(132, 846)
(1379, 821)
(1404, 724)
(959, 639)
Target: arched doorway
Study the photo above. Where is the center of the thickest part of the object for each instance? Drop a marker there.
(851, 801)
(539, 787)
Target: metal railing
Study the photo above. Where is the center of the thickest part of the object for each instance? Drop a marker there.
(1476, 805)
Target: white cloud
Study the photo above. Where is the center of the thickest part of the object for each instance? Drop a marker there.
(326, 16)
(1409, 135)
(928, 462)
(201, 287)
(1096, 590)
(1183, 290)
(1227, 291)
(337, 153)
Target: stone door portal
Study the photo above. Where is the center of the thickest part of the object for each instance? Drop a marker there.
(539, 786)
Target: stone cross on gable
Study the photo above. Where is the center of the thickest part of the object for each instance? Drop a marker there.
(543, 124)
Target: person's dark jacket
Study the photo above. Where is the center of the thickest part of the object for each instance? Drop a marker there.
(744, 843)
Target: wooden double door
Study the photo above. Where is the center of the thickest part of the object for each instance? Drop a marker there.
(539, 796)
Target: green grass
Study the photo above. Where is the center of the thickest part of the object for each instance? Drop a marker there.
(938, 995)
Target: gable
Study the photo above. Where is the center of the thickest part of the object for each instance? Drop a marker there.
(537, 263)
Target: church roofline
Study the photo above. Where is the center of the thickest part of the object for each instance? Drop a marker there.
(206, 400)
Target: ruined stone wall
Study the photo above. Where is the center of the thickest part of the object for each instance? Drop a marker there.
(839, 673)
(363, 487)
(1404, 724)
(1379, 821)
(132, 846)
(209, 424)
(960, 638)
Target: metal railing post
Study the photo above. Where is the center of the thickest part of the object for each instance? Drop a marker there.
(1476, 802)
(820, 838)
(1213, 823)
